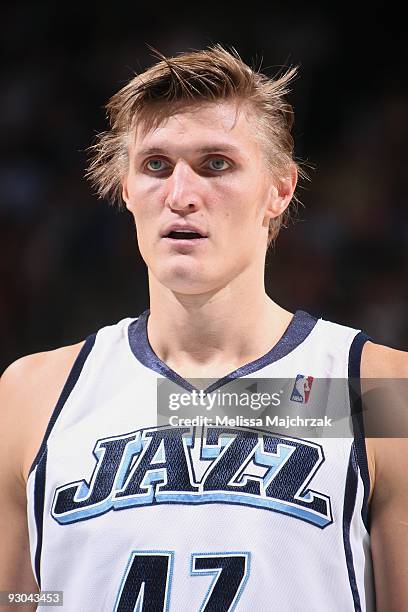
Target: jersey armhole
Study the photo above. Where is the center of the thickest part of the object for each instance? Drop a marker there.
(65, 393)
(354, 375)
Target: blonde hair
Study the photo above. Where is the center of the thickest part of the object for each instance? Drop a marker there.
(208, 75)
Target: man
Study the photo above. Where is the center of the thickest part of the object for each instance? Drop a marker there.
(121, 514)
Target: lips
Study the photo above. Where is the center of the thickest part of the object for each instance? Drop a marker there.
(178, 231)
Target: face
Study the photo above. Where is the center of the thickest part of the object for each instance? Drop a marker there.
(201, 170)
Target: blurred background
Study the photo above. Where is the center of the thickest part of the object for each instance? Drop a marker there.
(69, 262)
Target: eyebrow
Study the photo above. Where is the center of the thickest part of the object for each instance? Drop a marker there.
(213, 148)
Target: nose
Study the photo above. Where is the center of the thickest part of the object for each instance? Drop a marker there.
(183, 188)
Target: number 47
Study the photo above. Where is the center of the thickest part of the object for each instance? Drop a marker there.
(146, 584)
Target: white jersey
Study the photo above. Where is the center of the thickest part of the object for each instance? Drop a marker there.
(125, 515)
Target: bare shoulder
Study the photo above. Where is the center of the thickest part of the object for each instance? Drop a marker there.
(384, 373)
(385, 452)
(378, 361)
(29, 390)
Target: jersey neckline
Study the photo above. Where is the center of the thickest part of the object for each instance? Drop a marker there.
(300, 326)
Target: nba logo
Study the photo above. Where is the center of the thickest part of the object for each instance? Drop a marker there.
(301, 389)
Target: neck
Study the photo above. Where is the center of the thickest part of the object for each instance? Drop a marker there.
(213, 333)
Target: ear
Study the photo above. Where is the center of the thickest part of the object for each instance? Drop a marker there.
(125, 190)
(281, 192)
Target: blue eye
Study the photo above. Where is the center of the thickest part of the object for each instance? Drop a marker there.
(218, 164)
(155, 165)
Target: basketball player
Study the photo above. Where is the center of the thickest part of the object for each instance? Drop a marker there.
(97, 500)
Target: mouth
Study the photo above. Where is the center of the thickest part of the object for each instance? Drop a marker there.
(184, 237)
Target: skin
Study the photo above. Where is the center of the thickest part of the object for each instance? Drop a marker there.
(209, 315)
(388, 467)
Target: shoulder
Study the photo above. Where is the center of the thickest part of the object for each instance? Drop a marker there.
(384, 379)
(38, 372)
(379, 361)
(32, 367)
(29, 390)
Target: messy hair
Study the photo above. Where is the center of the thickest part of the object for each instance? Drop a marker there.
(210, 75)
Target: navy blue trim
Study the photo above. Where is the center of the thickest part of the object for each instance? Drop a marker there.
(39, 495)
(357, 419)
(349, 503)
(66, 391)
(298, 330)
